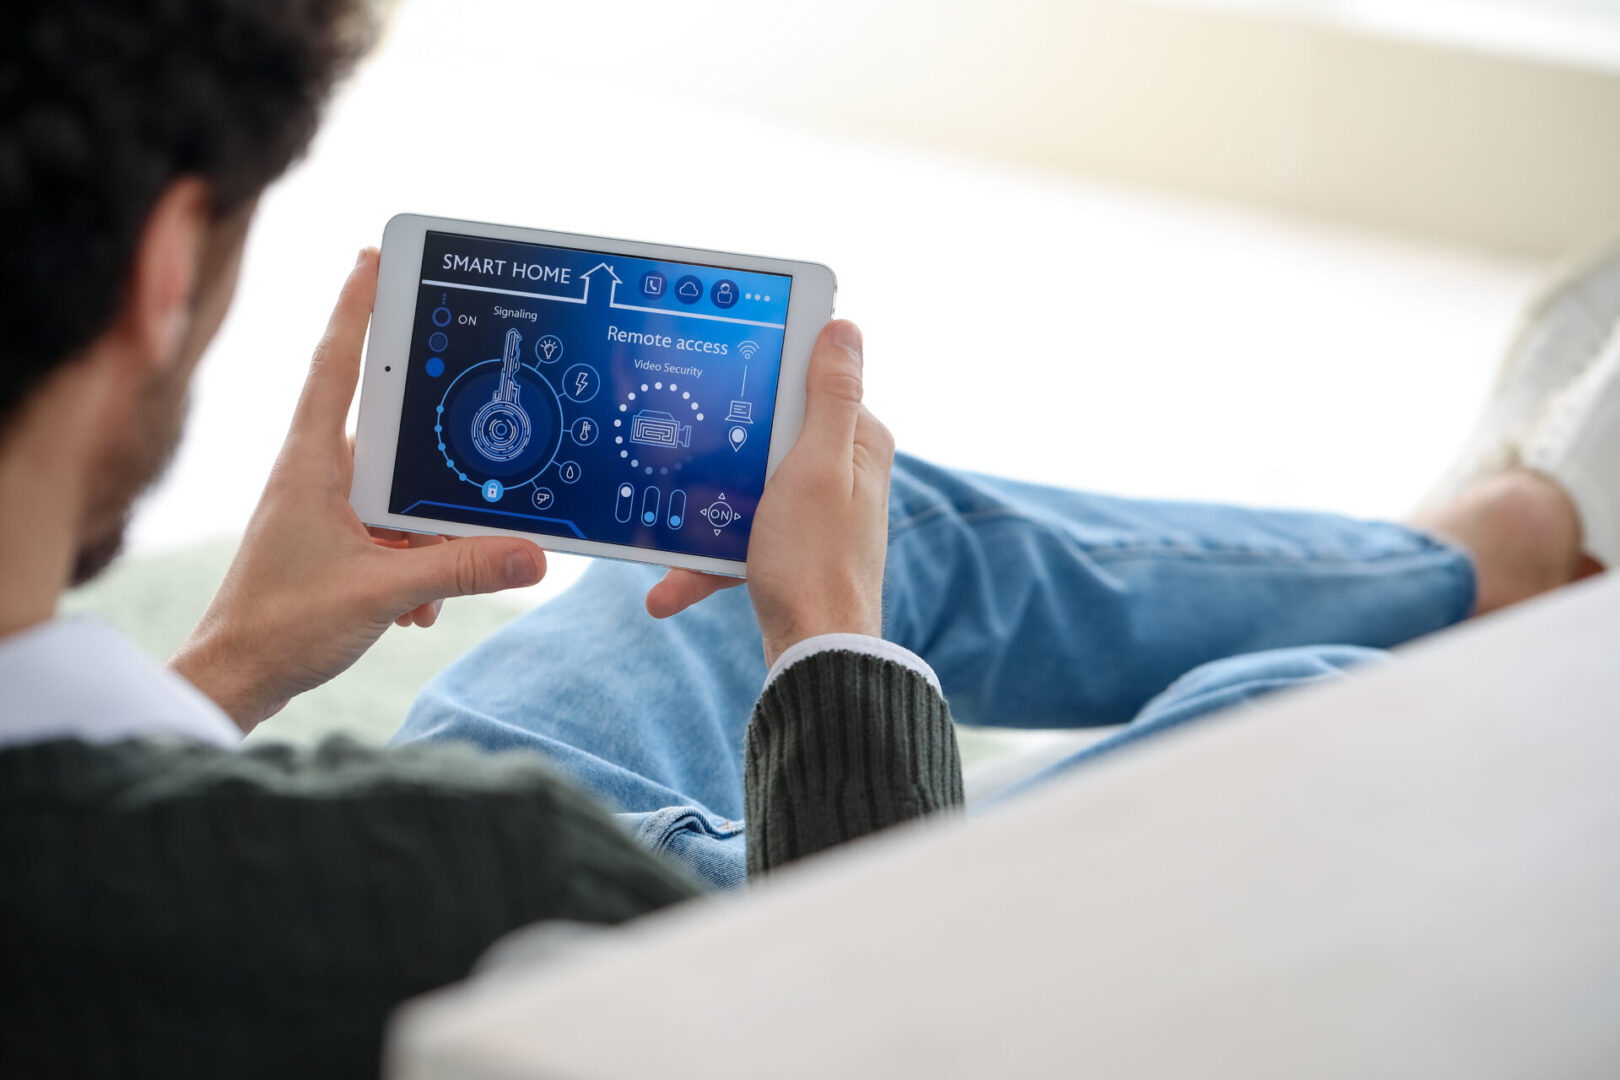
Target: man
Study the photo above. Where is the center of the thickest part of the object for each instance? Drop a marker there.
(176, 905)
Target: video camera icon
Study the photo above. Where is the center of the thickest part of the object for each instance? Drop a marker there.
(650, 427)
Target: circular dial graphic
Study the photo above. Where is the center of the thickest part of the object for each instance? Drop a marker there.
(500, 423)
(501, 430)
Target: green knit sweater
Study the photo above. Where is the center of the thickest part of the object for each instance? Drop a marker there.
(175, 909)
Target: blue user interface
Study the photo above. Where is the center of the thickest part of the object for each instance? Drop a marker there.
(592, 395)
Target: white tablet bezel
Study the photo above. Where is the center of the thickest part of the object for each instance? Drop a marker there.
(382, 391)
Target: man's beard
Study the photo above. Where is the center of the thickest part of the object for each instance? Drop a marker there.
(128, 469)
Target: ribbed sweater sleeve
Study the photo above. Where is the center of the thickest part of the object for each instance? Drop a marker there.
(841, 745)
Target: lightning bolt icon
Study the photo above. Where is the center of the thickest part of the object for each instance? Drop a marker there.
(581, 381)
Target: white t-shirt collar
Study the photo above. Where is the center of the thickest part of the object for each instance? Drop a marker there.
(78, 678)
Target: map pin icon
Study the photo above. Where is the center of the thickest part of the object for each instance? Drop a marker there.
(738, 437)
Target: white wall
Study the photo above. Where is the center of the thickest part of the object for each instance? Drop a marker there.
(1186, 348)
(1418, 116)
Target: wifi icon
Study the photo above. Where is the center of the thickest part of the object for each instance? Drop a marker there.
(748, 349)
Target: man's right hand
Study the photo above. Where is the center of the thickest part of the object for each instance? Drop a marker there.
(820, 533)
(311, 589)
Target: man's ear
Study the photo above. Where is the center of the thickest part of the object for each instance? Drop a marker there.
(163, 277)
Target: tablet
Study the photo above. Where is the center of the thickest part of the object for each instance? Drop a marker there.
(604, 397)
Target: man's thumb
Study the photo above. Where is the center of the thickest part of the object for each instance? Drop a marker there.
(832, 399)
(468, 566)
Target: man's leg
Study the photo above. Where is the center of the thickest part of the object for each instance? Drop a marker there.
(649, 715)
(1041, 607)
(1037, 607)
(1211, 688)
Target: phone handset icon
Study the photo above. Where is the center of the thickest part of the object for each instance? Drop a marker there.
(501, 428)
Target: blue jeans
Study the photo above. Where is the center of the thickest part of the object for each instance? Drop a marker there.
(1037, 607)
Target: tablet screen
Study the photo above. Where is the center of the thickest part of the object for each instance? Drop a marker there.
(592, 395)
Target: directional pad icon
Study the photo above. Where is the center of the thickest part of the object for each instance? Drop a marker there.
(720, 513)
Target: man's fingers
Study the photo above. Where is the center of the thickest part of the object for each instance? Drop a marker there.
(426, 614)
(423, 615)
(465, 567)
(680, 589)
(832, 391)
(423, 540)
(874, 447)
(334, 370)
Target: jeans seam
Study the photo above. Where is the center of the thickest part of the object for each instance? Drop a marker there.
(1114, 552)
(684, 815)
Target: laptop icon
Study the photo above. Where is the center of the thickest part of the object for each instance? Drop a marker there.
(742, 412)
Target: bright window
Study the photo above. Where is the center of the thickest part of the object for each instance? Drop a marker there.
(1585, 32)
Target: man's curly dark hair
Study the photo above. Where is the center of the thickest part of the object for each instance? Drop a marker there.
(104, 103)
